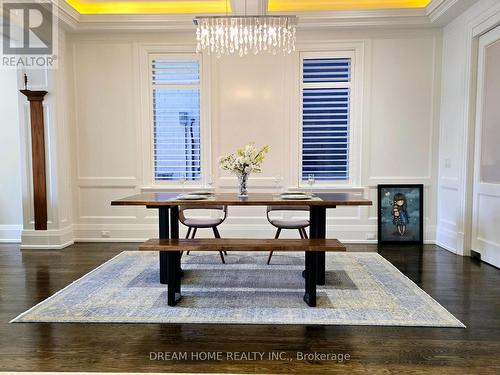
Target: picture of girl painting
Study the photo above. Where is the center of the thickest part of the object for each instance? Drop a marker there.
(399, 213)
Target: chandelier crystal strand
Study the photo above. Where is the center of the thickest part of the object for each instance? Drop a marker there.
(243, 35)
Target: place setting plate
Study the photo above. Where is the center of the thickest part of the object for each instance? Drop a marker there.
(295, 196)
(200, 192)
(191, 197)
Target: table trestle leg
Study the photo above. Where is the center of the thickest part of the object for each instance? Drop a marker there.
(311, 277)
(164, 233)
(174, 277)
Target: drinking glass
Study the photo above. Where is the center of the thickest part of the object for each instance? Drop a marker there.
(310, 181)
(210, 183)
(278, 182)
(183, 183)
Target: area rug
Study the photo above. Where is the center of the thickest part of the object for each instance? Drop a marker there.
(361, 289)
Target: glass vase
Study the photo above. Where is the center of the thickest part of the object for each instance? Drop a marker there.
(243, 188)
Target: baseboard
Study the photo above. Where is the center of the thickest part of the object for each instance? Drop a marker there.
(52, 239)
(116, 232)
(446, 247)
(10, 233)
(447, 239)
(47, 246)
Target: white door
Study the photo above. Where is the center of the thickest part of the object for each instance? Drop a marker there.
(486, 196)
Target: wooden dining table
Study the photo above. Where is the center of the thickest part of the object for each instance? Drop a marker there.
(167, 204)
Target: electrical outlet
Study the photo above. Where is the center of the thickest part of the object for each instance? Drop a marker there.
(105, 233)
(371, 236)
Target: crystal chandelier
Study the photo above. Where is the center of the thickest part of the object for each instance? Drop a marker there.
(229, 35)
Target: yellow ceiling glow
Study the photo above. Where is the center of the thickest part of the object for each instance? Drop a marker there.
(319, 5)
(150, 6)
(221, 6)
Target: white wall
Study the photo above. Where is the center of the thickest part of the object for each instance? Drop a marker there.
(457, 123)
(11, 218)
(254, 98)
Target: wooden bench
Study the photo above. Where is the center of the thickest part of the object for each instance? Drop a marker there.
(312, 247)
(233, 244)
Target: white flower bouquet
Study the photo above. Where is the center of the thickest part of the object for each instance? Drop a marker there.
(243, 162)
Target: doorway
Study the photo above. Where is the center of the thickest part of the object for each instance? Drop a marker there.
(486, 183)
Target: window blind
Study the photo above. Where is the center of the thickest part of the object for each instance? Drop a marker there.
(176, 119)
(325, 118)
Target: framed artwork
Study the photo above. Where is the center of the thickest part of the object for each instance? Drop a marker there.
(401, 214)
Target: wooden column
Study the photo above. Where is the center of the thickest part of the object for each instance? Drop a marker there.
(38, 157)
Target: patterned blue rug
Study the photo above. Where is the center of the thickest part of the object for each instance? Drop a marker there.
(361, 289)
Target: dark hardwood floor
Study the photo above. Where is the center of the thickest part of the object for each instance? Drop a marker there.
(468, 289)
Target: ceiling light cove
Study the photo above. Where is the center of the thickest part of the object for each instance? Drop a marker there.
(150, 6)
(318, 5)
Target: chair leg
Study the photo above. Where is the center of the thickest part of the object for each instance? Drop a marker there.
(187, 237)
(305, 233)
(271, 252)
(192, 235)
(217, 235)
(301, 233)
(269, 258)
(222, 257)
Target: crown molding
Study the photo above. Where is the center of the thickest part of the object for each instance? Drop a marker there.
(68, 15)
(363, 18)
(440, 12)
(437, 6)
(436, 14)
(135, 22)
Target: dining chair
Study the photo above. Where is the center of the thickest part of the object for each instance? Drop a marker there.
(299, 224)
(194, 224)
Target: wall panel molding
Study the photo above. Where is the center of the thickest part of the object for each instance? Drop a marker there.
(107, 182)
(449, 183)
(374, 181)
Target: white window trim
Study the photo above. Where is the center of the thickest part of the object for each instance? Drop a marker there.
(146, 53)
(355, 51)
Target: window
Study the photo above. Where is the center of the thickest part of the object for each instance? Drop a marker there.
(326, 105)
(175, 98)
